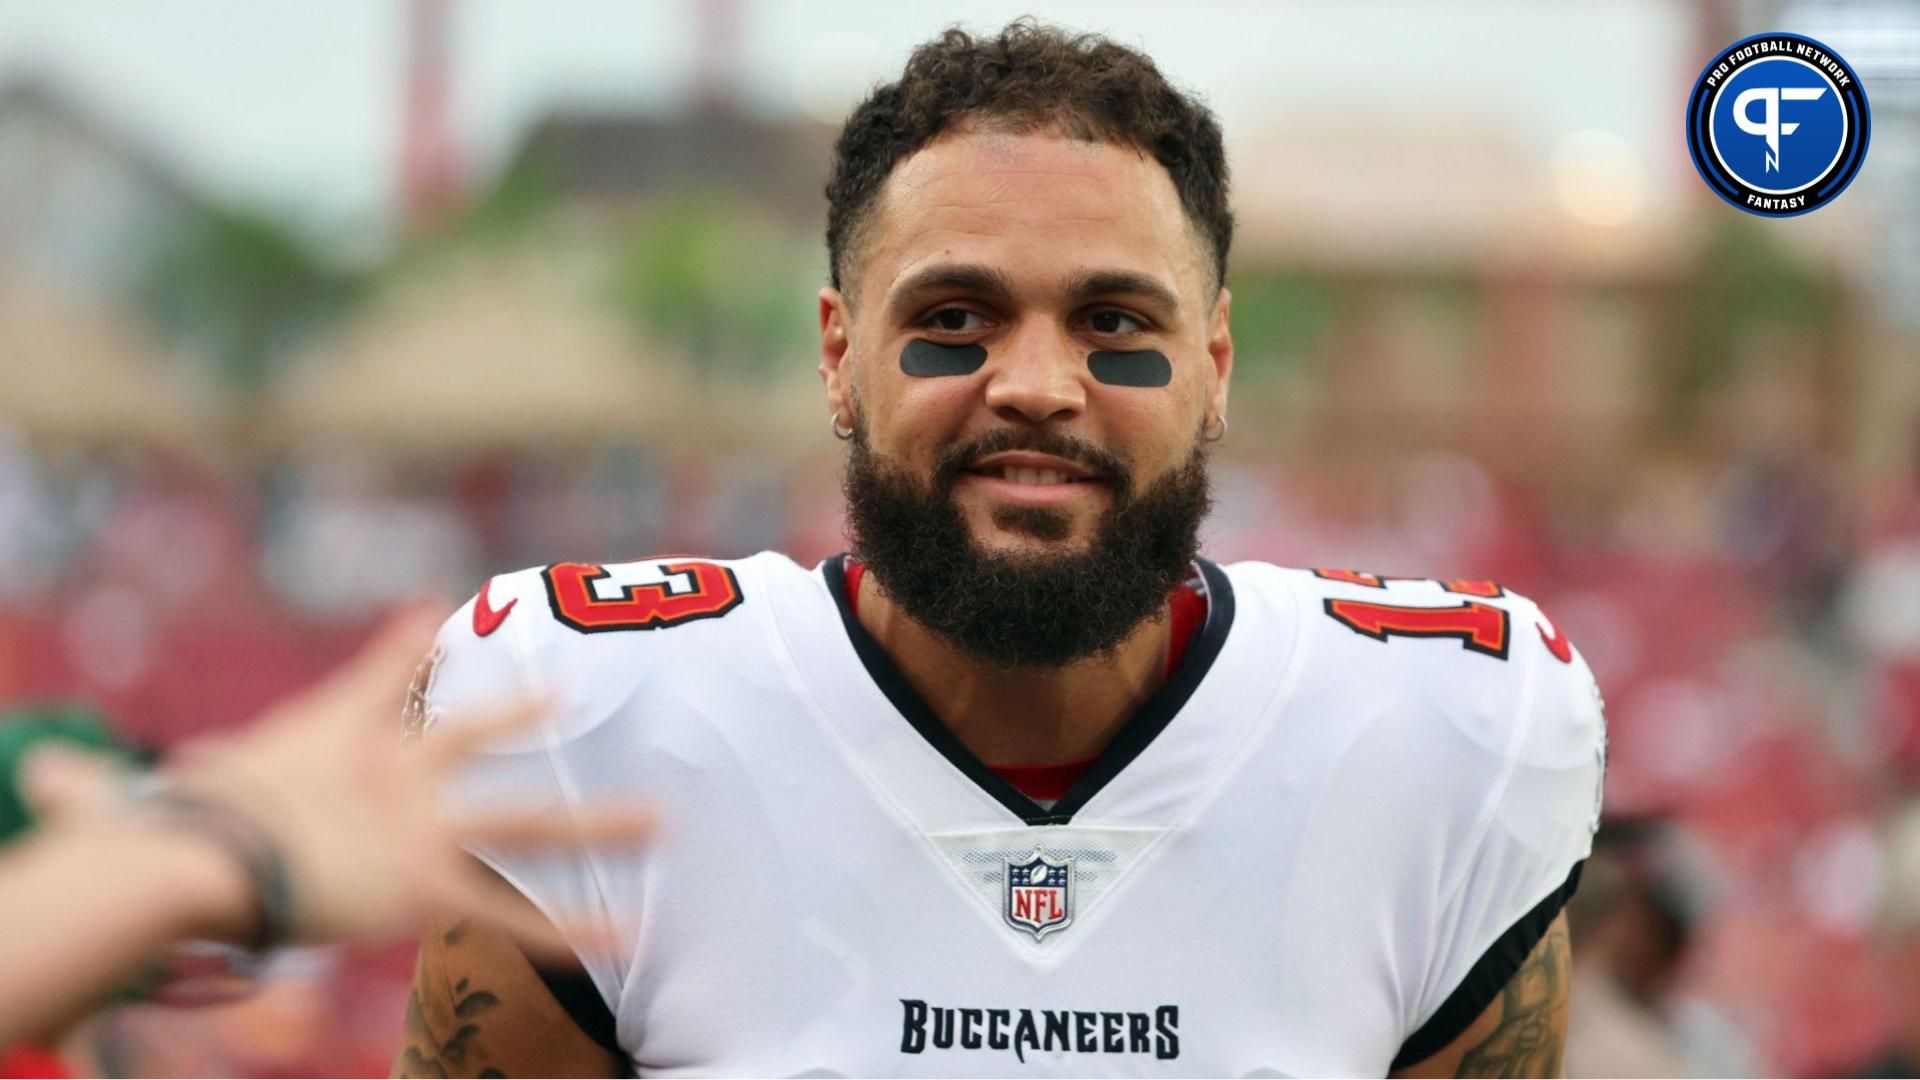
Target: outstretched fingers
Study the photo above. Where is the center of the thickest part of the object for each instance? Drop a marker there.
(608, 827)
(59, 779)
(453, 743)
(480, 895)
(374, 683)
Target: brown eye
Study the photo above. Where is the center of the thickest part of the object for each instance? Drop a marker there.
(953, 320)
(1114, 322)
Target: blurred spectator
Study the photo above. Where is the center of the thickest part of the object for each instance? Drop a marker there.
(347, 538)
(1900, 929)
(1630, 937)
(29, 545)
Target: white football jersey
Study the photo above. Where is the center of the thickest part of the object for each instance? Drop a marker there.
(1323, 845)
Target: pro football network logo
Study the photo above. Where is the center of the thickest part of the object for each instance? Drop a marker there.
(1778, 125)
(1039, 894)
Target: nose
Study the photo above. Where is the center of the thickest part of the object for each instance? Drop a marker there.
(1036, 375)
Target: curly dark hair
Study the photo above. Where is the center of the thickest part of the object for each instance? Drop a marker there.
(1029, 77)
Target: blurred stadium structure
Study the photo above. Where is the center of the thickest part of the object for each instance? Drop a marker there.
(227, 445)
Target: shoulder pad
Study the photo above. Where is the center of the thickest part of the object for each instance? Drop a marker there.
(1470, 648)
(581, 633)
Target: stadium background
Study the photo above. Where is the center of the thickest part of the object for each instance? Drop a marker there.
(306, 310)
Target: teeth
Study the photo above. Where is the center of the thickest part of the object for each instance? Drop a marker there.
(1022, 475)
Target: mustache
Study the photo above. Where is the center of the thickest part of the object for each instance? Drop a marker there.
(1103, 464)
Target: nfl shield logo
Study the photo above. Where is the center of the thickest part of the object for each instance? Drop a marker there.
(1039, 894)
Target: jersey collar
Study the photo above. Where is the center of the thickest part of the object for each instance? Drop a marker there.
(1133, 737)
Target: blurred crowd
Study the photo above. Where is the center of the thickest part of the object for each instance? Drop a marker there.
(124, 574)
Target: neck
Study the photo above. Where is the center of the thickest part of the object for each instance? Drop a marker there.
(1020, 715)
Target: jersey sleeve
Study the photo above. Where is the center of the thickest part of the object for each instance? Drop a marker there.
(488, 654)
(1529, 855)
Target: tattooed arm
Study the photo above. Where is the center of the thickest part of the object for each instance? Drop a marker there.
(478, 1008)
(1522, 1031)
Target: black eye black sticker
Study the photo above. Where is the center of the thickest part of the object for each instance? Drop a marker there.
(928, 359)
(1143, 368)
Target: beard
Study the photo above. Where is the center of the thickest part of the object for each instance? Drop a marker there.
(1025, 609)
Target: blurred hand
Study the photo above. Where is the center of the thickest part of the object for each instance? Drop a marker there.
(64, 783)
(355, 813)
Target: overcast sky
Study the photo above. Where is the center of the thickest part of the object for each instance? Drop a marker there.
(295, 105)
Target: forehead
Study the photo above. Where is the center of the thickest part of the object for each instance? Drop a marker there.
(1036, 206)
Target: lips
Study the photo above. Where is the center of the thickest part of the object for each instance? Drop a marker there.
(1032, 479)
(1029, 468)
(1028, 475)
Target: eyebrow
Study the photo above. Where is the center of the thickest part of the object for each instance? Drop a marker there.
(1089, 284)
(992, 283)
(976, 278)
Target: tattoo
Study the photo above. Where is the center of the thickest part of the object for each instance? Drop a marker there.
(414, 1063)
(478, 1009)
(474, 1004)
(427, 1055)
(420, 1057)
(1533, 1016)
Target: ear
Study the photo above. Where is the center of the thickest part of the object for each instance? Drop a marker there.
(1220, 349)
(835, 322)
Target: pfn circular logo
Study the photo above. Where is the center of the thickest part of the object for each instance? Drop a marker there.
(1778, 125)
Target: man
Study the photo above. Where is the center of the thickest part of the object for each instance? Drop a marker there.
(1021, 783)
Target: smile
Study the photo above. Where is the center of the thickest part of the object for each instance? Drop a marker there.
(1027, 486)
(1024, 475)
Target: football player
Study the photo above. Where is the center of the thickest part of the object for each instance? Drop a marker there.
(1021, 782)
